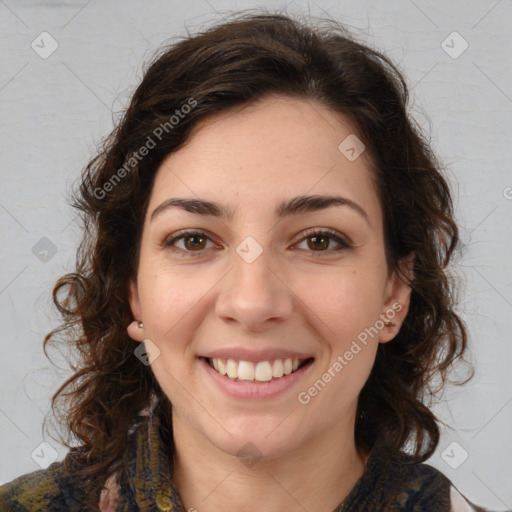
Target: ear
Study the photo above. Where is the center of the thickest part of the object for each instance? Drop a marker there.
(134, 331)
(397, 298)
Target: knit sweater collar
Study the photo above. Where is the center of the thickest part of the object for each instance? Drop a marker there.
(146, 482)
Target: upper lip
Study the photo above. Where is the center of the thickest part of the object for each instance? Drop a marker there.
(242, 354)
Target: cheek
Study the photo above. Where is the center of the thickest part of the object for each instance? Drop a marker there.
(166, 290)
(166, 300)
(347, 302)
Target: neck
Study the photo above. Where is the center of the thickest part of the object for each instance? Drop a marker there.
(316, 475)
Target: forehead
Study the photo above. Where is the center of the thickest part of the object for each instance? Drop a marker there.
(262, 153)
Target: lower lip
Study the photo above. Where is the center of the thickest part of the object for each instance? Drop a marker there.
(256, 390)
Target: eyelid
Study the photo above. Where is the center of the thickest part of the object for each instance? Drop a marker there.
(342, 240)
(332, 233)
(182, 234)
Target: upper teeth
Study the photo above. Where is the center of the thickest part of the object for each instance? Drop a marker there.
(262, 371)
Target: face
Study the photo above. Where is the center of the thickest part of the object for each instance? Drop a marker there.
(265, 276)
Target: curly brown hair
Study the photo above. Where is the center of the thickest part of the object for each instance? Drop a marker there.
(232, 64)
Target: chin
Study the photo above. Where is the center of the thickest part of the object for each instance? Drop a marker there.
(254, 443)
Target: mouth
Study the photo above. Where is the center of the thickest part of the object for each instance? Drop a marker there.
(261, 372)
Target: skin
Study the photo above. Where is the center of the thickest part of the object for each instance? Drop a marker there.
(293, 296)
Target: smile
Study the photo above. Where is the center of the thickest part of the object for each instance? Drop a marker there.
(263, 371)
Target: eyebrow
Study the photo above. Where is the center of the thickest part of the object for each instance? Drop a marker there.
(294, 206)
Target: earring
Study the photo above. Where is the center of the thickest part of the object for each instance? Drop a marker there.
(389, 324)
(140, 325)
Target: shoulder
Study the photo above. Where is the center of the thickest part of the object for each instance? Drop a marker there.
(395, 481)
(425, 488)
(33, 492)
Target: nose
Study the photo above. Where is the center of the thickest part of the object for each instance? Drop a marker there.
(254, 295)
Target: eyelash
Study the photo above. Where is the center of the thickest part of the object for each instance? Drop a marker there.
(308, 233)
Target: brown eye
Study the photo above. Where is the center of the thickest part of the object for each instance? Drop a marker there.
(318, 241)
(194, 242)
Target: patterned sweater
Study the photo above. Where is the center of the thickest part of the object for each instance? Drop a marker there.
(388, 484)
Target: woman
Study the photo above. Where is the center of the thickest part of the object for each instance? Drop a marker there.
(265, 248)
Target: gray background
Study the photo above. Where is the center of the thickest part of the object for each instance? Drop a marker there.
(55, 110)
